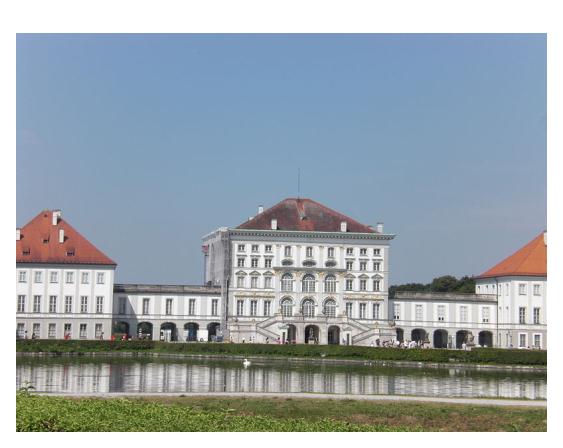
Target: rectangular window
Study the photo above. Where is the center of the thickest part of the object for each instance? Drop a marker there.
(36, 333)
(54, 277)
(83, 331)
(309, 252)
(522, 340)
(441, 312)
(396, 311)
(21, 304)
(100, 278)
(84, 304)
(98, 331)
(52, 304)
(168, 307)
(67, 330)
(363, 285)
(463, 313)
(376, 251)
(191, 307)
(69, 277)
(52, 331)
(537, 340)
(85, 278)
(36, 304)
(214, 307)
(146, 305)
(20, 330)
(254, 282)
(267, 307)
(99, 304)
(241, 247)
(349, 251)
(363, 265)
(22, 276)
(349, 308)
(349, 265)
(363, 251)
(536, 290)
(522, 315)
(240, 307)
(254, 263)
(331, 252)
(486, 311)
(522, 289)
(38, 277)
(349, 284)
(267, 282)
(267, 262)
(506, 289)
(268, 248)
(122, 305)
(376, 310)
(418, 313)
(287, 283)
(240, 281)
(253, 307)
(536, 315)
(68, 304)
(287, 251)
(376, 265)
(255, 248)
(240, 262)
(362, 310)
(376, 285)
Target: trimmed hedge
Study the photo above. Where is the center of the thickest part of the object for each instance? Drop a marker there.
(476, 355)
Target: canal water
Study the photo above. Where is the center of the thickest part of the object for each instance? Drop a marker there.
(178, 375)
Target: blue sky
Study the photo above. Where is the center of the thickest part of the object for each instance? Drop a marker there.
(148, 142)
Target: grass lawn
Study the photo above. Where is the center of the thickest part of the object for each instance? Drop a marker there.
(43, 413)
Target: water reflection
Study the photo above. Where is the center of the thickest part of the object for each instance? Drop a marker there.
(177, 376)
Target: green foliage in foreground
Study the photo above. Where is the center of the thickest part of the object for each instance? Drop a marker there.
(42, 413)
(477, 356)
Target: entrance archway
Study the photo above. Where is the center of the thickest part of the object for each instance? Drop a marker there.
(168, 332)
(121, 329)
(333, 335)
(144, 330)
(311, 334)
(190, 331)
(400, 334)
(213, 329)
(418, 335)
(461, 337)
(440, 339)
(485, 339)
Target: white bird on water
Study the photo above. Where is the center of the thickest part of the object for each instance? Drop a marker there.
(246, 363)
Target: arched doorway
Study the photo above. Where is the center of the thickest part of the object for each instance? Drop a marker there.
(311, 334)
(333, 335)
(418, 335)
(190, 331)
(485, 339)
(291, 334)
(144, 330)
(440, 339)
(461, 338)
(400, 334)
(212, 330)
(168, 332)
(121, 329)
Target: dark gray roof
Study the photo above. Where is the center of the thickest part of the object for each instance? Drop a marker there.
(166, 289)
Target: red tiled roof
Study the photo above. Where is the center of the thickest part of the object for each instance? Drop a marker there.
(530, 260)
(41, 229)
(303, 215)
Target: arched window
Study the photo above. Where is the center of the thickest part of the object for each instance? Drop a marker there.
(287, 282)
(287, 307)
(308, 308)
(308, 283)
(330, 308)
(330, 283)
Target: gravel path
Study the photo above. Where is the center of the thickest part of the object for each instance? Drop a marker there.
(448, 400)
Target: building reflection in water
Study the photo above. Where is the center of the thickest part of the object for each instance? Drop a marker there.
(162, 377)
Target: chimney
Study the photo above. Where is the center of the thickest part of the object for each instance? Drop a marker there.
(274, 224)
(250, 218)
(260, 209)
(18, 234)
(61, 235)
(343, 226)
(56, 216)
(379, 227)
